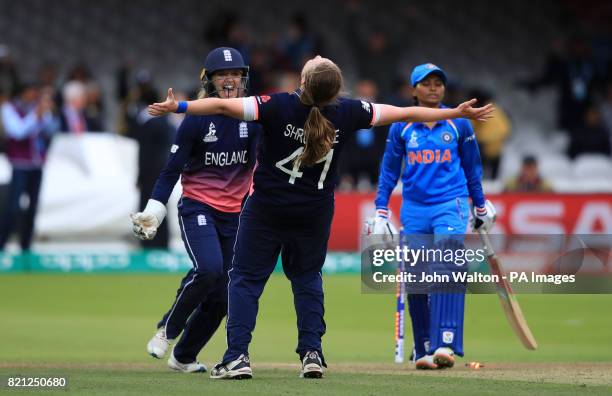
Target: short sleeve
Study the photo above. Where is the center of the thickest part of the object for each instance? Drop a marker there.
(265, 107)
(363, 114)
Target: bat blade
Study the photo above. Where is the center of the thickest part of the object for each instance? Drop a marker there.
(507, 298)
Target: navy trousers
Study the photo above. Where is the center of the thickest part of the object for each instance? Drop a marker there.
(201, 299)
(23, 181)
(299, 235)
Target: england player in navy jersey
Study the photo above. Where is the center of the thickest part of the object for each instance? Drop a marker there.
(442, 168)
(290, 210)
(215, 156)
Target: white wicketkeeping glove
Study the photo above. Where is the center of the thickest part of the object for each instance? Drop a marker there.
(380, 225)
(484, 217)
(145, 223)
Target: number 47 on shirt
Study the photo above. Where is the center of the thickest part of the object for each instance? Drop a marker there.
(295, 171)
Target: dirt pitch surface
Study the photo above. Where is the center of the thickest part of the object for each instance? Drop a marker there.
(551, 373)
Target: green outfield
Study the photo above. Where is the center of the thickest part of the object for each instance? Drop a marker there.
(93, 328)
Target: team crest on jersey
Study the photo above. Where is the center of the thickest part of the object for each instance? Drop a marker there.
(413, 140)
(211, 135)
(263, 98)
(366, 106)
(243, 129)
(447, 137)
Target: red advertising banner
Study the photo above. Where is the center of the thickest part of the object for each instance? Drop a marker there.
(517, 214)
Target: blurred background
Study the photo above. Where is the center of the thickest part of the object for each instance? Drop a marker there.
(95, 66)
(90, 68)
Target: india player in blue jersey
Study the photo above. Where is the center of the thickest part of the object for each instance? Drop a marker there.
(215, 156)
(442, 168)
(290, 210)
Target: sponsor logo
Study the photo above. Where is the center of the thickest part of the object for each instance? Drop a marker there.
(447, 337)
(429, 156)
(243, 130)
(447, 137)
(227, 55)
(471, 137)
(430, 66)
(211, 136)
(201, 220)
(366, 106)
(174, 148)
(263, 98)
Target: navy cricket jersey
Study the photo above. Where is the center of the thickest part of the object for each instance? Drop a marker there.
(278, 180)
(214, 155)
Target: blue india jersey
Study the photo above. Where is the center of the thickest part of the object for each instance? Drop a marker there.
(440, 163)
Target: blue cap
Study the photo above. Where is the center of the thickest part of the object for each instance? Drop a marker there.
(422, 71)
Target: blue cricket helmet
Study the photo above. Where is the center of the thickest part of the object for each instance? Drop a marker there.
(223, 58)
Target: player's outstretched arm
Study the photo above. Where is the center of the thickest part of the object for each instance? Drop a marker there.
(390, 114)
(206, 106)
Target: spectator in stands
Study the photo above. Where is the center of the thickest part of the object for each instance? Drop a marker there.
(154, 136)
(491, 135)
(9, 79)
(373, 52)
(288, 82)
(591, 137)
(29, 123)
(134, 101)
(402, 96)
(93, 107)
(573, 72)
(528, 179)
(299, 43)
(364, 148)
(73, 115)
(606, 109)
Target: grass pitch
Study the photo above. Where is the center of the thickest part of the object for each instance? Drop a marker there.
(93, 328)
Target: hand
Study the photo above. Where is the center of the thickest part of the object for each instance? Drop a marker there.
(144, 225)
(45, 105)
(475, 113)
(169, 106)
(380, 225)
(483, 218)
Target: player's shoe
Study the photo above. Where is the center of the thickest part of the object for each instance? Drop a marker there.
(236, 369)
(444, 357)
(193, 367)
(312, 365)
(159, 344)
(426, 363)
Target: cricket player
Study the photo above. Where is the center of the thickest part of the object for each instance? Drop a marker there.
(442, 168)
(290, 210)
(215, 156)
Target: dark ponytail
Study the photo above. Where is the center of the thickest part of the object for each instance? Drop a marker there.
(321, 86)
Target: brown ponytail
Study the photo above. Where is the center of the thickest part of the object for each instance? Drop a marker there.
(321, 86)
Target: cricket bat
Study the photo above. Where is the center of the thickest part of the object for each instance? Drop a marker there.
(507, 298)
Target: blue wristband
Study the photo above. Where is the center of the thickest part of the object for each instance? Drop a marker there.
(182, 107)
